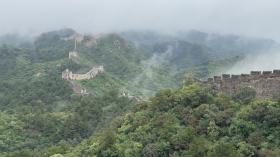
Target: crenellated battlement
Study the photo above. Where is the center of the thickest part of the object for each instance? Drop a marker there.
(266, 83)
(69, 75)
(254, 75)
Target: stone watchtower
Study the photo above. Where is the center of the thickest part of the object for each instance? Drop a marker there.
(73, 54)
(67, 74)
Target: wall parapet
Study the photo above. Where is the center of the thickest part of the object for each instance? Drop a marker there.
(69, 75)
(266, 84)
(245, 77)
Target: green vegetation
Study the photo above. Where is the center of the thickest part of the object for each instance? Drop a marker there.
(39, 111)
(212, 67)
(191, 121)
(40, 116)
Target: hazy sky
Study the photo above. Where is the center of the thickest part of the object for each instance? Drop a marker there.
(246, 17)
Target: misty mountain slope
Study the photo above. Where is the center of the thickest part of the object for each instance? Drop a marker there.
(49, 117)
(168, 64)
(50, 52)
(16, 40)
(152, 61)
(164, 61)
(221, 46)
(183, 54)
(147, 38)
(39, 109)
(168, 61)
(212, 68)
(120, 60)
(189, 53)
(51, 46)
(134, 69)
(116, 55)
(140, 62)
(228, 45)
(139, 78)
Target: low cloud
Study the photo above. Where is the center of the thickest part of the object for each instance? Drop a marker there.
(264, 61)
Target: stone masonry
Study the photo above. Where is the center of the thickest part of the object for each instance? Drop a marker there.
(265, 83)
(68, 75)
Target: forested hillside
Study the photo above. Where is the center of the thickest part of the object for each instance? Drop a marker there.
(191, 121)
(40, 115)
(39, 109)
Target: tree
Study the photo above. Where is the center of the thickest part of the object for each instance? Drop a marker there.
(213, 130)
(183, 138)
(223, 149)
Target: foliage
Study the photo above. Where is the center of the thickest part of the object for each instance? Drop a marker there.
(190, 121)
(41, 116)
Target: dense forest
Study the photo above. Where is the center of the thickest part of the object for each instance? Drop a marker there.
(175, 115)
(191, 121)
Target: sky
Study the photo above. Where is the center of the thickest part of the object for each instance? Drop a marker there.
(255, 18)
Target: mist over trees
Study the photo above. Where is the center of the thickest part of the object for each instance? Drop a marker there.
(154, 98)
(41, 116)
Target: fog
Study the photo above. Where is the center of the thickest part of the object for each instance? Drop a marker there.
(256, 18)
(264, 61)
(253, 18)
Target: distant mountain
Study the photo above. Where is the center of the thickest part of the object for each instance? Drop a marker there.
(219, 46)
(183, 54)
(16, 40)
(228, 45)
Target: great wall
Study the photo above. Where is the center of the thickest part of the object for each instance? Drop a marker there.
(265, 83)
(70, 76)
